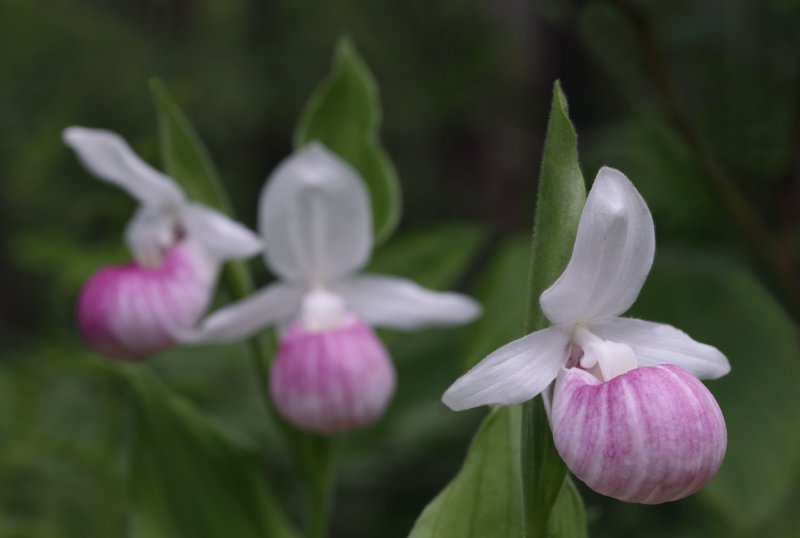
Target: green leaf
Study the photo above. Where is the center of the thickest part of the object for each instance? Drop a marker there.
(344, 114)
(759, 398)
(186, 160)
(485, 498)
(189, 477)
(435, 257)
(568, 518)
(562, 194)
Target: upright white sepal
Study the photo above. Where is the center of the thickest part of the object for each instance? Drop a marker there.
(612, 256)
(314, 216)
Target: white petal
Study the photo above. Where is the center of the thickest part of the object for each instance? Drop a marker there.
(387, 301)
(612, 255)
(314, 215)
(658, 343)
(516, 372)
(222, 237)
(277, 303)
(109, 157)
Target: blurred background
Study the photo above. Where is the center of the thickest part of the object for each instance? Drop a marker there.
(697, 102)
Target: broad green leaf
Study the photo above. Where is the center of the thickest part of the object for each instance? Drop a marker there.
(188, 162)
(728, 309)
(344, 114)
(562, 194)
(485, 498)
(190, 478)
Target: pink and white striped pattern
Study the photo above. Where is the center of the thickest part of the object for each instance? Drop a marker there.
(128, 312)
(651, 435)
(332, 381)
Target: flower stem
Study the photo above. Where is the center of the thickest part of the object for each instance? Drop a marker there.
(322, 489)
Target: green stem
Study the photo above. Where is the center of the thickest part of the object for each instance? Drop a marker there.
(322, 490)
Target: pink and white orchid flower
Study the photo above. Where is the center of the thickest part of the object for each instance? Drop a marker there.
(331, 373)
(629, 416)
(135, 310)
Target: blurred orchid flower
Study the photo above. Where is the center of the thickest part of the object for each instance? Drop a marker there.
(331, 374)
(629, 416)
(135, 310)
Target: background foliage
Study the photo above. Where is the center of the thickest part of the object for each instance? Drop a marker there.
(697, 102)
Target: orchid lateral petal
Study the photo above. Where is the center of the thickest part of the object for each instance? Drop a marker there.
(516, 372)
(397, 303)
(109, 157)
(274, 304)
(314, 215)
(222, 237)
(612, 255)
(658, 343)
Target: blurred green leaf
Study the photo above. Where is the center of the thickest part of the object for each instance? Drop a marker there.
(188, 162)
(190, 478)
(435, 257)
(759, 398)
(504, 305)
(183, 154)
(344, 114)
(560, 200)
(485, 498)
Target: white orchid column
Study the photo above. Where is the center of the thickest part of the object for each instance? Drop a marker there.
(628, 414)
(331, 373)
(135, 310)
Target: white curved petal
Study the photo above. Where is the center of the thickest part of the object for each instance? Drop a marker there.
(314, 215)
(222, 237)
(387, 301)
(516, 372)
(109, 157)
(658, 343)
(275, 304)
(613, 253)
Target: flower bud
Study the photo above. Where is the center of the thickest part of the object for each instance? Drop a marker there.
(332, 380)
(128, 312)
(651, 435)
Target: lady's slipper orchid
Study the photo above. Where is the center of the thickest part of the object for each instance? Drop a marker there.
(135, 310)
(629, 416)
(331, 373)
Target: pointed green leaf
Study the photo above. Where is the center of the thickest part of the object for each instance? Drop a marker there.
(190, 478)
(186, 160)
(562, 194)
(485, 498)
(344, 114)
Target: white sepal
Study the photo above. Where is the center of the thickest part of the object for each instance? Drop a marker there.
(222, 237)
(612, 256)
(397, 303)
(315, 217)
(274, 304)
(658, 343)
(109, 157)
(516, 372)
